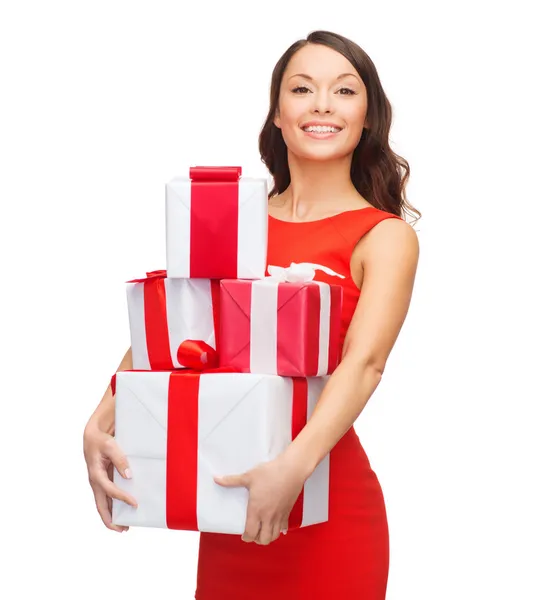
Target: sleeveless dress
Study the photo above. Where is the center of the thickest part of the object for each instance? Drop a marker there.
(346, 558)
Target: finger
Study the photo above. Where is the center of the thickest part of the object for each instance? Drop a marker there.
(252, 528)
(117, 457)
(109, 502)
(284, 526)
(232, 480)
(104, 512)
(276, 530)
(268, 533)
(101, 480)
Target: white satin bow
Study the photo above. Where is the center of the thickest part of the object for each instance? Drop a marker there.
(299, 272)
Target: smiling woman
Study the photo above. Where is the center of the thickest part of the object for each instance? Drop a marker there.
(337, 200)
(328, 80)
(319, 76)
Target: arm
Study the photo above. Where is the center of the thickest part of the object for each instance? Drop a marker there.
(102, 454)
(103, 416)
(388, 256)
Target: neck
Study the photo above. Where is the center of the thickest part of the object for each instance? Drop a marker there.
(317, 186)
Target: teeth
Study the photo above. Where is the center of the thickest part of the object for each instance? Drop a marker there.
(321, 129)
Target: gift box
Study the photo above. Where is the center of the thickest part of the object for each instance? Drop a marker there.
(165, 312)
(217, 224)
(178, 430)
(286, 324)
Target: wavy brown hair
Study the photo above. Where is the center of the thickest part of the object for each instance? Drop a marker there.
(377, 173)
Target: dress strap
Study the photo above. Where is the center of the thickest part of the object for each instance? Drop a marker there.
(353, 227)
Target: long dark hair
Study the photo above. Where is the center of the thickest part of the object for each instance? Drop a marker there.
(377, 173)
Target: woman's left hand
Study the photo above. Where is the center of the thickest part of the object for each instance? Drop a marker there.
(273, 489)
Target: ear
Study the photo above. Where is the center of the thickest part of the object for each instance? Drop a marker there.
(277, 120)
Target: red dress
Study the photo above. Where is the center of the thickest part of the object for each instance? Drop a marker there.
(348, 556)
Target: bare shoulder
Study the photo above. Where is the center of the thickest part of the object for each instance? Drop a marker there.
(390, 239)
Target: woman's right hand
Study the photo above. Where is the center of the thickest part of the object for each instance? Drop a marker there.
(102, 454)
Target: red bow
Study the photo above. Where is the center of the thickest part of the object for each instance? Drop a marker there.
(196, 356)
(159, 274)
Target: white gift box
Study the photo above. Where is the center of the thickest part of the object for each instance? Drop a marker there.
(216, 228)
(165, 312)
(178, 431)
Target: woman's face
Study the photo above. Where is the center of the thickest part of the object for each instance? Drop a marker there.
(322, 104)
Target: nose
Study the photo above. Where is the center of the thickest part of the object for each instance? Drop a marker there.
(322, 102)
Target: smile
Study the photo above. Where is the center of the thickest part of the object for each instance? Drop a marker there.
(321, 132)
(321, 129)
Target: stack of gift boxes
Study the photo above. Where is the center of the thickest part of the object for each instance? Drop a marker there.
(230, 356)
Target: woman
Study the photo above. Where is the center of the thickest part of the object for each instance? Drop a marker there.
(337, 200)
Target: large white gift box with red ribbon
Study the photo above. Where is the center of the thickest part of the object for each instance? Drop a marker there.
(180, 429)
(216, 224)
(286, 324)
(164, 312)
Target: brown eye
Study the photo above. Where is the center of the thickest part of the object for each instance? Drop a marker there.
(348, 90)
(298, 89)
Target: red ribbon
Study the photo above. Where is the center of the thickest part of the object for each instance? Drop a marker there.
(214, 218)
(335, 342)
(299, 419)
(155, 319)
(215, 173)
(197, 355)
(182, 452)
(159, 274)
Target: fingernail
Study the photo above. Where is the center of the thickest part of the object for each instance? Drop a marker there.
(127, 473)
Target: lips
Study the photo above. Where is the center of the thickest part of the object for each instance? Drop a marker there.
(321, 135)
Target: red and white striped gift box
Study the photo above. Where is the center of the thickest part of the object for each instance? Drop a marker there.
(180, 429)
(165, 312)
(281, 327)
(217, 224)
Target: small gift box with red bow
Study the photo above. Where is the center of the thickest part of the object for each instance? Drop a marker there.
(286, 324)
(217, 224)
(164, 312)
(179, 429)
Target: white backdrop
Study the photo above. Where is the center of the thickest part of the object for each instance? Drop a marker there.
(103, 102)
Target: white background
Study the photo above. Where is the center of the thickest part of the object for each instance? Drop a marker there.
(103, 102)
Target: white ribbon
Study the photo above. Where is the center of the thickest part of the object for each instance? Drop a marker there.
(298, 272)
(264, 298)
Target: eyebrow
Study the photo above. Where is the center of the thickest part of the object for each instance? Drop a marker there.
(311, 78)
